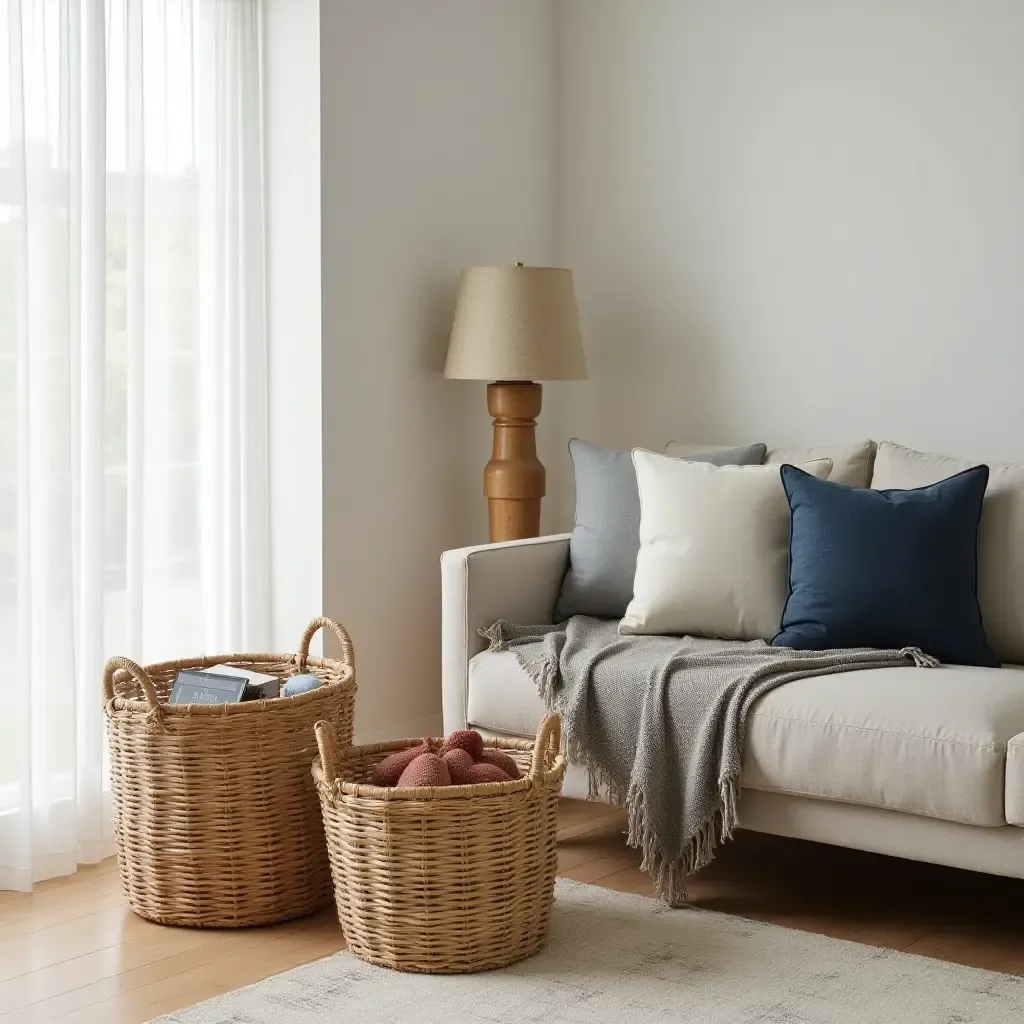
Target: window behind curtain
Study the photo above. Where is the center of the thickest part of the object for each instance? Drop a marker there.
(133, 479)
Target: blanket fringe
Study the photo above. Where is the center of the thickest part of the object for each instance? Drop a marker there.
(670, 871)
(494, 635)
(544, 675)
(920, 659)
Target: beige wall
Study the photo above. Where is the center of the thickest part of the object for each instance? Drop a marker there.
(796, 220)
(788, 221)
(437, 139)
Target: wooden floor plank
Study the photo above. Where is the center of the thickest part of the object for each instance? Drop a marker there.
(72, 951)
(89, 934)
(92, 885)
(1002, 950)
(81, 973)
(33, 921)
(227, 973)
(76, 986)
(610, 818)
(600, 867)
(630, 879)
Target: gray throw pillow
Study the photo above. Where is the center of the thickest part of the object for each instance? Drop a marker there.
(606, 537)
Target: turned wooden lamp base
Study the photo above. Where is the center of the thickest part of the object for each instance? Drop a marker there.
(515, 325)
(514, 480)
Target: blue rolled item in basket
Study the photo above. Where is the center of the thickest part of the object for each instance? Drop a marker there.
(300, 684)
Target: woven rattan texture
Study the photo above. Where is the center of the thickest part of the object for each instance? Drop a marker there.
(216, 820)
(443, 880)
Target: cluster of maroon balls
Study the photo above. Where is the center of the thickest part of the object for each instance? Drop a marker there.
(460, 761)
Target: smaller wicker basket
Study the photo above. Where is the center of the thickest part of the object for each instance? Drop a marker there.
(216, 822)
(442, 880)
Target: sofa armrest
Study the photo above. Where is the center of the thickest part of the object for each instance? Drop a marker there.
(518, 581)
(1015, 781)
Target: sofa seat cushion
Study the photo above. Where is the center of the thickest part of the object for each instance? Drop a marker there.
(502, 697)
(1015, 781)
(923, 741)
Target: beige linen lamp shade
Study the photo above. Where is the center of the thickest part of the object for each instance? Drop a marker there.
(516, 323)
(514, 326)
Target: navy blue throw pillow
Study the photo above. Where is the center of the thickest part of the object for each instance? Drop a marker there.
(885, 569)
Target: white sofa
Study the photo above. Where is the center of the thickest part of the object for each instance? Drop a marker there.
(927, 765)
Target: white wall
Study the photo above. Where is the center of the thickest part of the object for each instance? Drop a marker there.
(437, 137)
(291, 44)
(796, 221)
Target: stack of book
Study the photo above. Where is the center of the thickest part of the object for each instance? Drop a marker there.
(223, 684)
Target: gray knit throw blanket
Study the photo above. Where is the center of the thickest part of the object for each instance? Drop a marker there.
(659, 722)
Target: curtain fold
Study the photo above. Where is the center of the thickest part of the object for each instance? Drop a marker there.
(133, 391)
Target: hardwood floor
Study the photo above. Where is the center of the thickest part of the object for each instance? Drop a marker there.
(73, 952)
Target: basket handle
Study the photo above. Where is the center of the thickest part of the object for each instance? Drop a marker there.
(327, 744)
(137, 672)
(348, 653)
(549, 737)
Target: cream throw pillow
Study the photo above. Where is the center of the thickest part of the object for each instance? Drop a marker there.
(714, 548)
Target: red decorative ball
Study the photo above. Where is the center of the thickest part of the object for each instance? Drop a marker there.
(389, 771)
(465, 739)
(501, 760)
(426, 770)
(459, 762)
(484, 772)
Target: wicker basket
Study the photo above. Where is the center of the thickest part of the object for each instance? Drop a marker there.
(216, 821)
(442, 880)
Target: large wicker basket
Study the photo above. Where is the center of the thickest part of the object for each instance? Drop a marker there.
(216, 822)
(442, 880)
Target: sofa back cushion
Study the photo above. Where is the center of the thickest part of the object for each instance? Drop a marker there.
(714, 548)
(851, 463)
(1000, 537)
(605, 537)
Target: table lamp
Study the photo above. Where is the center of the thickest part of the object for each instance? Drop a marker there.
(514, 326)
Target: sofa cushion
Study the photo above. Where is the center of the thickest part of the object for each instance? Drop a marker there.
(714, 548)
(605, 537)
(1015, 781)
(886, 569)
(851, 463)
(1000, 536)
(929, 742)
(502, 697)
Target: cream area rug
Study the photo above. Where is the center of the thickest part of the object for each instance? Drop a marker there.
(615, 958)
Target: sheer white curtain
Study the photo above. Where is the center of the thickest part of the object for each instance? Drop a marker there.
(133, 453)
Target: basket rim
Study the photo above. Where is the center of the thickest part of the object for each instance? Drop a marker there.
(426, 793)
(141, 704)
